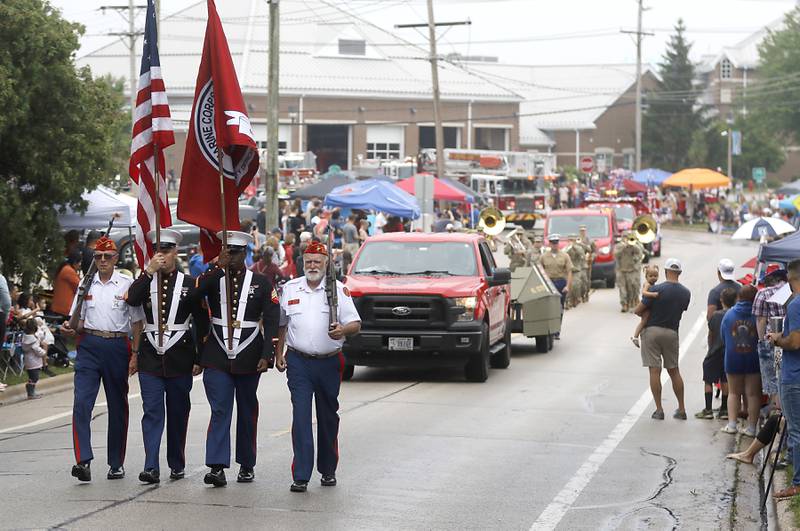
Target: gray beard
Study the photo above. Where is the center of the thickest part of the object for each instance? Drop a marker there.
(315, 277)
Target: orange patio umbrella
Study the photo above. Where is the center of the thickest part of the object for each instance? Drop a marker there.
(697, 178)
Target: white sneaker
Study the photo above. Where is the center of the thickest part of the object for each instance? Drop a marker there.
(727, 428)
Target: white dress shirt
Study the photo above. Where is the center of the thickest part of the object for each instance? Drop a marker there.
(105, 307)
(304, 311)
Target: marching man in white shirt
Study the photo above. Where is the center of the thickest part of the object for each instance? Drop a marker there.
(314, 364)
(106, 321)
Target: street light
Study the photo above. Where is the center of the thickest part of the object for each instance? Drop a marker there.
(727, 133)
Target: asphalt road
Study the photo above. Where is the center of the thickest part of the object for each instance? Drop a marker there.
(559, 440)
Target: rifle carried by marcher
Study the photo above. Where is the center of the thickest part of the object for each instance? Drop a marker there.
(83, 289)
(330, 283)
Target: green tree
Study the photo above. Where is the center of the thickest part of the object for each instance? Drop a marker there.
(760, 146)
(775, 98)
(672, 117)
(59, 132)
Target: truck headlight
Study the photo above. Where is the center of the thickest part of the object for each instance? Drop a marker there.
(468, 303)
(605, 249)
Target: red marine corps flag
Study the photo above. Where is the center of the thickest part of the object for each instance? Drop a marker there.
(219, 119)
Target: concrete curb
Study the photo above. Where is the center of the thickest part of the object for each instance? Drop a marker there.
(55, 384)
(785, 516)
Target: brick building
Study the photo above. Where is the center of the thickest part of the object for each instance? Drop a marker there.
(725, 78)
(346, 90)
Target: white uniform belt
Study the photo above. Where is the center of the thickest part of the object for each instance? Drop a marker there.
(167, 328)
(236, 324)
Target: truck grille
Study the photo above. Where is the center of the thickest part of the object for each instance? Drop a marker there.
(401, 311)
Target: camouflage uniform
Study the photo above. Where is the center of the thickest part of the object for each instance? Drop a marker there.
(577, 254)
(534, 254)
(628, 257)
(586, 271)
(517, 259)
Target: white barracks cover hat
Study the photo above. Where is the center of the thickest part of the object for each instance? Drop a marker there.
(169, 237)
(236, 238)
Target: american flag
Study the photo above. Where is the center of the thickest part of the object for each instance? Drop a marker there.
(152, 130)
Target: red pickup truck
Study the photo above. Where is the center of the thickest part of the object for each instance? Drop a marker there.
(434, 300)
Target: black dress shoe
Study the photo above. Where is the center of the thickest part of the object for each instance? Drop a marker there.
(216, 477)
(116, 473)
(149, 476)
(177, 474)
(328, 480)
(246, 475)
(82, 471)
(299, 486)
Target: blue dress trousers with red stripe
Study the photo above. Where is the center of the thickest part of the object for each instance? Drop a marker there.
(320, 379)
(100, 359)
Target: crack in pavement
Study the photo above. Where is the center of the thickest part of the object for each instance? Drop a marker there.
(649, 502)
(17, 435)
(116, 503)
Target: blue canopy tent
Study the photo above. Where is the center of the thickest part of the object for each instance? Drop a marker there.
(782, 251)
(787, 203)
(651, 176)
(373, 194)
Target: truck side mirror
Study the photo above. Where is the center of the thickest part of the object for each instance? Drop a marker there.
(501, 276)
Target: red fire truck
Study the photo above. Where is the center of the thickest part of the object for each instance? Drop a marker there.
(513, 180)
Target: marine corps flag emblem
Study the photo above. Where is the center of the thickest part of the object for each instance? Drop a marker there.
(218, 121)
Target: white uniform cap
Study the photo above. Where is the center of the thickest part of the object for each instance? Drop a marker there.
(236, 238)
(168, 237)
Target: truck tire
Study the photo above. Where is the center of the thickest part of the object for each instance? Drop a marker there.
(477, 368)
(657, 254)
(347, 372)
(611, 282)
(543, 343)
(502, 359)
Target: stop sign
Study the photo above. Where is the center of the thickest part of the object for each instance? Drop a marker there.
(587, 164)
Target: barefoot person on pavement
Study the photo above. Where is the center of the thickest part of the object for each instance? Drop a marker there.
(660, 343)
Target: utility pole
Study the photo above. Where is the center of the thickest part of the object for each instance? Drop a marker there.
(131, 35)
(437, 111)
(425, 189)
(273, 101)
(639, 35)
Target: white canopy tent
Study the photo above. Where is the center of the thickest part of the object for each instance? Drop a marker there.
(103, 204)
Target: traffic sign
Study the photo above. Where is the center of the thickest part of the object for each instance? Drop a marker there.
(587, 164)
(759, 174)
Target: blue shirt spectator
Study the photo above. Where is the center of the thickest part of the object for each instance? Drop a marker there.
(196, 265)
(741, 339)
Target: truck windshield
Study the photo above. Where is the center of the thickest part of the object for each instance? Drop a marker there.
(417, 258)
(518, 186)
(625, 212)
(596, 226)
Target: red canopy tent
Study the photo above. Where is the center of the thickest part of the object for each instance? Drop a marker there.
(441, 190)
(633, 187)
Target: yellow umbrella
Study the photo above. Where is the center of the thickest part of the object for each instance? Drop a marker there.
(697, 178)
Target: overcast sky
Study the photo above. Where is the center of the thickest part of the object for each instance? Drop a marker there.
(529, 31)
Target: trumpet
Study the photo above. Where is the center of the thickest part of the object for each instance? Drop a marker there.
(515, 241)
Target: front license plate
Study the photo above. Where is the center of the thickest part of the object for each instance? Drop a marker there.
(401, 343)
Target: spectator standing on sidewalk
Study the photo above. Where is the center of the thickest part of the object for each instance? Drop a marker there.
(660, 341)
(789, 341)
(741, 361)
(714, 362)
(726, 275)
(66, 284)
(762, 311)
(34, 353)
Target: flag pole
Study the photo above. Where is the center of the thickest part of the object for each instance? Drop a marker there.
(157, 207)
(225, 268)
